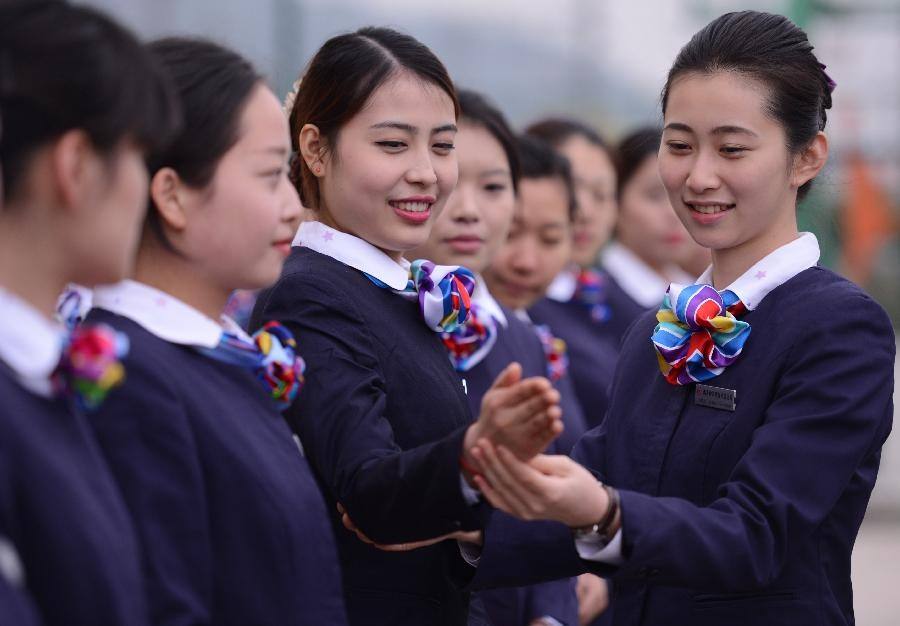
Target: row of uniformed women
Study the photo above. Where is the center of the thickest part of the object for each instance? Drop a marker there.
(146, 476)
(226, 523)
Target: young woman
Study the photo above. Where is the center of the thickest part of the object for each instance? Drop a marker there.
(538, 247)
(232, 526)
(742, 445)
(81, 101)
(649, 238)
(470, 231)
(384, 417)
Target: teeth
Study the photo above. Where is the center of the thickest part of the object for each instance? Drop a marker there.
(709, 209)
(412, 207)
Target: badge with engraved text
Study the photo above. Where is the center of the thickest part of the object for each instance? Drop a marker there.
(715, 397)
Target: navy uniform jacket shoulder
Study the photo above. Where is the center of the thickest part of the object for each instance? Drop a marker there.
(16, 606)
(60, 507)
(517, 341)
(624, 310)
(382, 418)
(748, 516)
(592, 355)
(231, 522)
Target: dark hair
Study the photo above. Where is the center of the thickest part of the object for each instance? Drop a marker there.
(557, 130)
(65, 67)
(213, 85)
(540, 160)
(341, 78)
(476, 109)
(773, 50)
(631, 152)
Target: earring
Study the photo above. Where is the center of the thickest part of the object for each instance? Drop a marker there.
(317, 169)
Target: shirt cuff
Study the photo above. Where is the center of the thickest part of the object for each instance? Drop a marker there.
(591, 549)
(470, 495)
(470, 552)
(550, 621)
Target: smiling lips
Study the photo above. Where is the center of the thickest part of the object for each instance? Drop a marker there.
(708, 212)
(415, 210)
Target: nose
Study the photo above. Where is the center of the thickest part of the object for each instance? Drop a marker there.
(421, 172)
(292, 209)
(524, 257)
(463, 205)
(702, 175)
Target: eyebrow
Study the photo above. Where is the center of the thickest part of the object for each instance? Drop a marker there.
(496, 172)
(412, 130)
(727, 129)
(276, 150)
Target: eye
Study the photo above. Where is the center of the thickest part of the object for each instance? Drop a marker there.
(678, 147)
(274, 176)
(732, 150)
(495, 187)
(443, 147)
(391, 146)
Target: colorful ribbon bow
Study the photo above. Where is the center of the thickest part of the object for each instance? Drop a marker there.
(469, 343)
(554, 351)
(442, 291)
(698, 334)
(90, 365)
(272, 357)
(590, 291)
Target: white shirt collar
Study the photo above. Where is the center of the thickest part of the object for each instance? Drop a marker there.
(773, 270)
(353, 251)
(486, 302)
(638, 279)
(563, 287)
(163, 315)
(30, 344)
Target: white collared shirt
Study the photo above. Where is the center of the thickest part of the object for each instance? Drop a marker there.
(164, 315)
(353, 251)
(30, 343)
(775, 269)
(636, 278)
(563, 287)
(486, 302)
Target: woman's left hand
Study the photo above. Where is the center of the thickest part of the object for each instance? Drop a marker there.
(473, 536)
(545, 488)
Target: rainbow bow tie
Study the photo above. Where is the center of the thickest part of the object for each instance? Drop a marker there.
(469, 343)
(698, 334)
(554, 351)
(442, 291)
(272, 357)
(90, 365)
(590, 292)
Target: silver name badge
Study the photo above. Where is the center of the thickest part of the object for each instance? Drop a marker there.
(715, 397)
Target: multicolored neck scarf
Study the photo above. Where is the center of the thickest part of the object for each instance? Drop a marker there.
(272, 357)
(90, 365)
(698, 334)
(442, 291)
(590, 292)
(554, 351)
(469, 343)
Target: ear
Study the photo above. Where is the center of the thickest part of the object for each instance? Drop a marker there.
(809, 162)
(167, 192)
(76, 168)
(313, 149)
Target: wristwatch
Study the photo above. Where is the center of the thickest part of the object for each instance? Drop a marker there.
(601, 532)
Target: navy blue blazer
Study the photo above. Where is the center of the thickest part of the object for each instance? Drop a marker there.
(16, 607)
(382, 418)
(60, 507)
(592, 356)
(624, 310)
(517, 341)
(231, 522)
(743, 517)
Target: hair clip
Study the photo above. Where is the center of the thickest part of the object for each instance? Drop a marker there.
(828, 80)
(291, 97)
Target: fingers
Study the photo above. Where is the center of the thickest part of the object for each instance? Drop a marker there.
(510, 375)
(501, 480)
(474, 536)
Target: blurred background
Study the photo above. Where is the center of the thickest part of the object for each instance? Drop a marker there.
(605, 61)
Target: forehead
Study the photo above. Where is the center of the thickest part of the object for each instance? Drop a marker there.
(707, 101)
(407, 98)
(475, 145)
(263, 123)
(543, 201)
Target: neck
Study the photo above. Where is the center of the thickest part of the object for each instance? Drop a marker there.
(38, 278)
(178, 276)
(323, 215)
(730, 264)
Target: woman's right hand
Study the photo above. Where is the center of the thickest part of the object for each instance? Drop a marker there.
(545, 488)
(521, 415)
